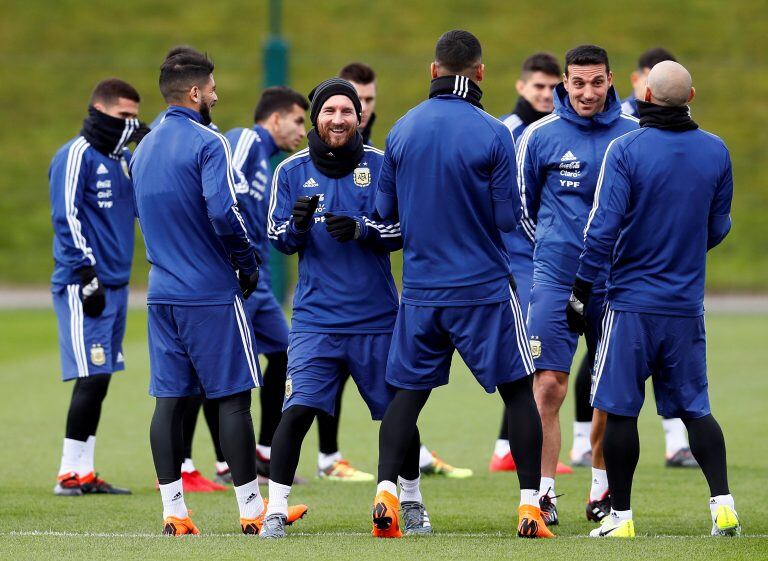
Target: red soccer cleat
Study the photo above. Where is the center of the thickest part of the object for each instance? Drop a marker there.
(563, 469)
(194, 482)
(502, 463)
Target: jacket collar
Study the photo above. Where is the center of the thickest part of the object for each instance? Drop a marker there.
(270, 147)
(174, 110)
(610, 113)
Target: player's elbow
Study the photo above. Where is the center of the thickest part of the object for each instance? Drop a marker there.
(504, 215)
(386, 205)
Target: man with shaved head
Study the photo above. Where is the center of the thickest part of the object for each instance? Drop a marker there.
(662, 201)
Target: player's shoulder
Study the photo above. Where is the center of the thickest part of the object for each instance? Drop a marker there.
(373, 152)
(550, 126)
(77, 150)
(294, 162)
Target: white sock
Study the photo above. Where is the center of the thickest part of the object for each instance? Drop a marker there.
(599, 484)
(70, 456)
(221, 467)
(264, 451)
(547, 487)
(249, 499)
(581, 443)
(387, 486)
(425, 457)
(187, 466)
(173, 500)
(86, 459)
(409, 490)
(675, 436)
(324, 461)
(501, 448)
(278, 498)
(718, 501)
(621, 515)
(529, 497)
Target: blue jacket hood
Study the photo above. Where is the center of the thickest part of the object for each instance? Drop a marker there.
(606, 117)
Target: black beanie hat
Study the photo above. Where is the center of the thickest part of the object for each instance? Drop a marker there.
(330, 88)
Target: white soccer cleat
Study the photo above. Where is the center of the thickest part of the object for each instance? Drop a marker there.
(612, 527)
(726, 522)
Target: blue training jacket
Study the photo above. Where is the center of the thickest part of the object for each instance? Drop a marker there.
(343, 287)
(558, 162)
(449, 171)
(185, 200)
(629, 105)
(92, 214)
(251, 152)
(663, 200)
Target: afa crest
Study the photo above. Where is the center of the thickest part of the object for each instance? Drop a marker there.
(98, 356)
(362, 177)
(535, 348)
(288, 387)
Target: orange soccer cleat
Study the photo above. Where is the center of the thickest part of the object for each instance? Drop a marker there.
(385, 511)
(252, 526)
(530, 524)
(173, 526)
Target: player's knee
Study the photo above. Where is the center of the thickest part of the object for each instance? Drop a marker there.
(550, 388)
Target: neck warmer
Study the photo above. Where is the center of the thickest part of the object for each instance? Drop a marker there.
(366, 132)
(457, 85)
(676, 119)
(526, 112)
(107, 134)
(335, 162)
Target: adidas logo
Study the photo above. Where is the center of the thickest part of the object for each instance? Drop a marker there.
(101, 170)
(568, 157)
(311, 183)
(177, 496)
(251, 497)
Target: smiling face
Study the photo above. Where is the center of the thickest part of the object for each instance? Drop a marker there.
(587, 88)
(337, 121)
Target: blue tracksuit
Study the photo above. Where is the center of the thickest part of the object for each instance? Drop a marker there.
(663, 201)
(629, 105)
(93, 225)
(449, 172)
(346, 301)
(195, 237)
(251, 153)
(558, 161)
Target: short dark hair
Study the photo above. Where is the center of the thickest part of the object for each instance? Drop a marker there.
(358, 72)
(585, 55)
(652, 57)
(183, 68)
(458, 51)
(541, 62)
(110, 90)
(278, 98)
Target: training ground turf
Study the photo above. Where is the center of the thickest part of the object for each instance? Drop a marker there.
(473, 519)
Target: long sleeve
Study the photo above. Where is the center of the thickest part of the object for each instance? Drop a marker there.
(281, 230)
(386, 189)
(529, 183)
(720, 209)
(605, 219)
(380, 234)
(219, 181)
(504, 193)
(67, 177)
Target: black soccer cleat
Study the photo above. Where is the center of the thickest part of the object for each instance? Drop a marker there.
(598, 510)
(683, 458)
(92, 484)
(548, 510)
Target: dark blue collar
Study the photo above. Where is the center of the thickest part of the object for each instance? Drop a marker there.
(184, 112)
(270, 147)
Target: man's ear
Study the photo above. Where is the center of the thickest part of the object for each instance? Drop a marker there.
(634, 77)
(480, 73)
(194, 94)
(100, 106)
(648, 95)
(433, 70)
(519, 85)
(692, 94)
(610, 79)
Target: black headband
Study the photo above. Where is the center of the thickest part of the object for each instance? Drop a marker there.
(328, 89)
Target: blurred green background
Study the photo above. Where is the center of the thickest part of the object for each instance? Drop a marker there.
(54, 52)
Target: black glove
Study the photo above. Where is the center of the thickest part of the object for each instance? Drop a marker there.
(303, 212)
(342, 228)
(575, 311)
(248, 282)
(139, 133)
(91, 292)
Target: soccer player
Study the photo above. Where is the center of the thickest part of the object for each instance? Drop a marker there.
(452, 184)
(538, 78)
(678, 451)
(322, 206)
(558, 165)
(662, 201)
(203, 266)
(278, 125)
(93, 232)
(647, 60)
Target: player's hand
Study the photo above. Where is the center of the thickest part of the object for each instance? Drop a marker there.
(91, 292)
(303, 212)
(575, 311)
(139, 133)
(248, 282)
(342, 228)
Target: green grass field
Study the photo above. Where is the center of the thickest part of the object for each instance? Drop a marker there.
(473, 519)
